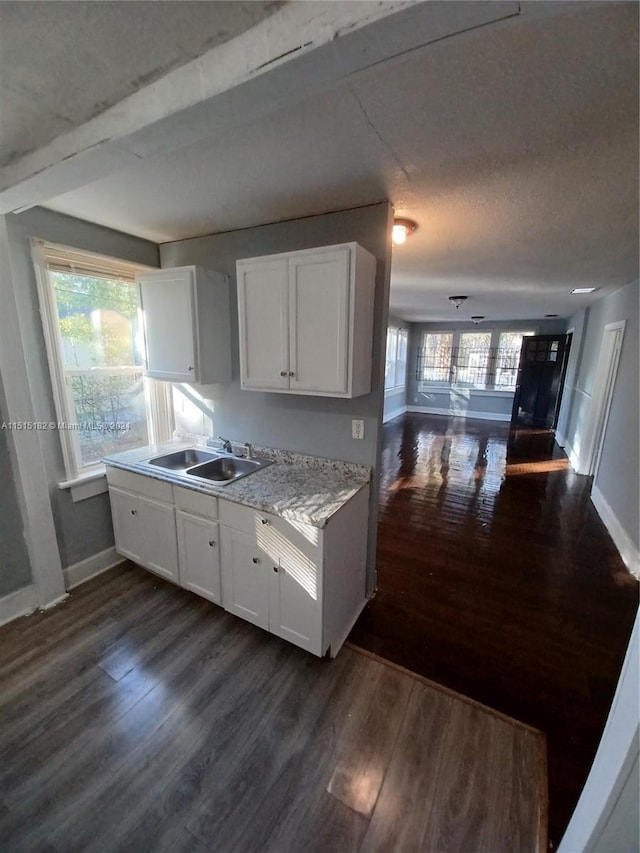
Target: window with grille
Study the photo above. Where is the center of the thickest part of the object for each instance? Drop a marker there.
(104, 403)
(476, 360)
(435, 358)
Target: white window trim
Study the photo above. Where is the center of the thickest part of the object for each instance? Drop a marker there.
(90, 480)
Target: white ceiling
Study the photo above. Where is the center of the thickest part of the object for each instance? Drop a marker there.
(514, 147)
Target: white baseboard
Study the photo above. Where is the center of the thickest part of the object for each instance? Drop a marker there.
(18, 603)
(482, 416)
(628, 551)
(561, 441)
(89, 568)
(396, 413)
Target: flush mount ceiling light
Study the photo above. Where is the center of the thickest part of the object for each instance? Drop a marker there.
(401, 230)
(550, 315)
(583, 289)
(478, 318)
(457, 300)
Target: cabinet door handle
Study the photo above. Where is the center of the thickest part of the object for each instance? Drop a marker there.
(264, 521)
(134, 512)
(190, 368)
(255, 560)
(212, 542)
(291, 373)
(283, 373)
(275, 569)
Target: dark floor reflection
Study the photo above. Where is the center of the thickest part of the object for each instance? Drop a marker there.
(497, 578)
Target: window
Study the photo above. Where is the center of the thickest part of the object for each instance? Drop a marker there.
(471, 367)
(436, 357)
(104, 404)
(507, 359)
(477, 360)
(395, 371)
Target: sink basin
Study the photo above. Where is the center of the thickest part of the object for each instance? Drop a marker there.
(225, 469)
(179, 460)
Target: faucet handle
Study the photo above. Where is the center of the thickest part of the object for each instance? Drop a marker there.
(249, 447)
(226, 444)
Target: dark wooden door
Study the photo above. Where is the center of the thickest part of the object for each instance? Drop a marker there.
(543, 361)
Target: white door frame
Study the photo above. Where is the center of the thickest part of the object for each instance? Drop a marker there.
(601, 396)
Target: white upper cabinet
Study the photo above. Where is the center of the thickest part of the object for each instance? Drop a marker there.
(186, 325)
(306, 321)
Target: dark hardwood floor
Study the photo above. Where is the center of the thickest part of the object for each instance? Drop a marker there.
(497, 578)
(138, 717)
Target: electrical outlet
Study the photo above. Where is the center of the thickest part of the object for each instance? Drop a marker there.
(357, 428)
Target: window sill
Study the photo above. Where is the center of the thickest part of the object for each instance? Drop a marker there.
(398, 388)
(86, 485)
(482, 392)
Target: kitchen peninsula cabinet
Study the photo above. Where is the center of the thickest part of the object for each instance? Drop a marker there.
(306, 321)
(185, 313)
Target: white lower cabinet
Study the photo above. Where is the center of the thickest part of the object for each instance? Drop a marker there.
(302, 583)
(199, 555)
(244, 577)
(145, 532)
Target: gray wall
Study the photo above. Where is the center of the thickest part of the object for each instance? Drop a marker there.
(82, 528)
(398, 399)
(319, 426)
(617, 477)
(14, 557)
(461, 401)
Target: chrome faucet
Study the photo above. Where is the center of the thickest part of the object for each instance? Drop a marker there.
(226, 444)
(249, 453)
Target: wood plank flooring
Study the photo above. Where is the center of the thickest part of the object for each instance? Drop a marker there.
(497, 578)
(138, 717)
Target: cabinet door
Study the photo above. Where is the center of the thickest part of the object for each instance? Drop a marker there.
(295, 606)
(319, 321)
(199, 555)
(263, 324)
(167, 301)
(245, 578)
(158, 533)
(127, 523)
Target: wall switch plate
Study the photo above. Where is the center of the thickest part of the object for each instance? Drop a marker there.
(357, 428)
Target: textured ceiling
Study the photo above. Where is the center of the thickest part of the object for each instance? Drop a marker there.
(61, 63)
(514, 147)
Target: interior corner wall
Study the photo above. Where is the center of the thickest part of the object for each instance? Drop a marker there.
(319, 426)
(15, 570)
(616, 481)
(84, 528)
(395, 402)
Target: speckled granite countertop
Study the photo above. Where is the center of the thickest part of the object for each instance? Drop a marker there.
(301, 488)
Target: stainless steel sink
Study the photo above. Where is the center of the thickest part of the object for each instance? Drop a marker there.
(180, 460)
(226, 469)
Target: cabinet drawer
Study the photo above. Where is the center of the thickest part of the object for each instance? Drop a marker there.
(243, 517)
(140, 484)
(275, 535)
(196, 502)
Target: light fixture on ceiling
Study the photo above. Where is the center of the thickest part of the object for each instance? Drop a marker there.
(477, 318)
(457, 300)
(550, 316)
(583, 289)
(401, 230)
